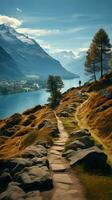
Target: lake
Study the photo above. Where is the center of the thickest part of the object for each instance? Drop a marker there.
(10, 104)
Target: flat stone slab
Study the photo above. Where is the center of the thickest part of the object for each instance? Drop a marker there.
(63, 140)
(59, 167)
(56, 161)
(67, 195)
(59, 141)
(59, 144)
(62, 178)
(63, 186)
(57, 148)
(53, 151)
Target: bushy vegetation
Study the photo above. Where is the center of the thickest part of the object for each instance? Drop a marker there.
(54, 86)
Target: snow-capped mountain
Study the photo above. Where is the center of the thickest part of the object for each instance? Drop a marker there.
(73, 62)
(8, 67)
(77, 65)
(30, 58)
(65, 57)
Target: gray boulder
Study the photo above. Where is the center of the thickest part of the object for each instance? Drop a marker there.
(5, 179)
(34, 151)
(44, 123)
(32, 110)
(87, 141)
(41, 162)
(63, 114)
(8, 132)
(54, 132)
(34, 178)
(92, 159)
(80, 133)
(29, 120)
(76, 145)
(13, 120)
(14, 192)
(68, 153)
(17, 164)
(46, 144)
(70, 109)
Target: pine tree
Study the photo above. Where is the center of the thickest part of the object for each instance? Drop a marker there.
(92, 60)
(103, 43)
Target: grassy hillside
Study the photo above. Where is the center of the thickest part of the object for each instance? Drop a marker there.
(21, 130)
(96, 113)
(88, 107)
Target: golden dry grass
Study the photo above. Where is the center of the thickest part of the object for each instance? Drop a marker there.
(96, 187)
(26, 135)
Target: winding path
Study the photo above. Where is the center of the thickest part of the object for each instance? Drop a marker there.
(66, 183)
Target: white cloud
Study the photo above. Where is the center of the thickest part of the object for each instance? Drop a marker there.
(38, 32)
(19, 10)
(44, 32)
(11, 21)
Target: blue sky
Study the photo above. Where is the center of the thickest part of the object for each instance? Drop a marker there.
(58, 24)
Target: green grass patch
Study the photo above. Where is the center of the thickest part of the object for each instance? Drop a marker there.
(70, 124)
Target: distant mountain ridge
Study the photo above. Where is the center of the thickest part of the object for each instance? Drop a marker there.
(76, 64)
(8, 67)
(73, 63)
(30, 58)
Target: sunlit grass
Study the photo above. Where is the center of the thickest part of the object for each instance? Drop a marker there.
(97, 187)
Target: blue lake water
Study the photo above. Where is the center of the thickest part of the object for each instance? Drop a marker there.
(10, 104)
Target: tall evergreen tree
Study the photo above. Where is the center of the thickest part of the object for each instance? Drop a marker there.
(92, 60)
(103, 43)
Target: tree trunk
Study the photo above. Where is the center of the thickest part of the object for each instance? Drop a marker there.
(94, 71)
(101, 61)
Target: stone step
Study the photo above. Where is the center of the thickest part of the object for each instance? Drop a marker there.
(62, 178)
(59, 167)
(66, 194)
(59, 144)
(57, 148)
(55, 152)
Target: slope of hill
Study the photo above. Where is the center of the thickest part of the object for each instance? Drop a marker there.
(29, 56)
(8, 67)
(86, 114)
(96, 112)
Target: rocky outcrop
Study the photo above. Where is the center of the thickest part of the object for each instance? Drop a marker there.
(34, 178)
(14, 192)
(54, 132)
(63, 114)
(34, 151)
(44, 123)
(80, 133)
(5, 179)
(8, 132)
(32, 110)
(10, 126)
(82, 151)
(29, 120)
(13, 120)
(26, 172)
